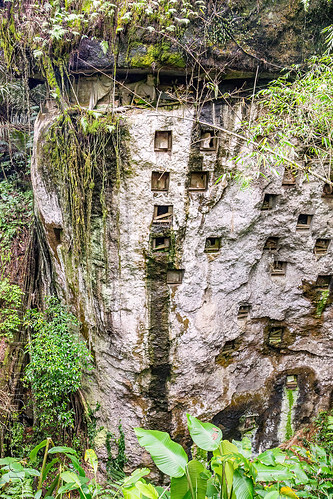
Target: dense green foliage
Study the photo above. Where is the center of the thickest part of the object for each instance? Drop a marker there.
(115, 465)
(58, 357)
(15, 212)
(78, 145)
(231, 473)
(292, 125)
(10, 308)
(60, 473)
(324, 431)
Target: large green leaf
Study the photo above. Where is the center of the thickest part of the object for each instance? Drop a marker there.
(197, 476)
(131, 492)
(34, 452)
(168, 456)
(225, 471)
(206, 435)
(288, 492)
(244, 447)
(48, 467)
(213, 488)
(193, 484)
(148, 490)
(273, 495)
(272, 457)
(229, 470)
(299, 475)
(242, 486)
(272, 473)
(267, 458)
(62, 449)
(71, 477)
(228, 448)
(5, 461)
(76, 464)
(136, 475)
(91, 458)
(180, 488)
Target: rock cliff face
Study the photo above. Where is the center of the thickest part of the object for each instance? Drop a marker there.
(199, 297)
(196, 296)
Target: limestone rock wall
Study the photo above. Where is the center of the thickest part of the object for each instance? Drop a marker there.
(164, 349)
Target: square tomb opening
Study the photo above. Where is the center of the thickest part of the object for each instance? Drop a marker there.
(212, 245)
(327, 191)
(291, 382)
(321, 247)
(243, 313)
(271, 243)
(289, 178)
(160, 181)
(323, 282)
(198, 181)
(175, 276)
(278, 268)
(208, 140)
(161, 243)
(275, 335)
(269, 202)
(163, 141)
(304, 222)
(163, 214)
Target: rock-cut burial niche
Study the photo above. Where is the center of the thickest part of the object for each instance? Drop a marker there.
(160, 181)
(163, 214)
(323, 282)
(227, 353)
(243, 313)
(327, 191)
(163, 141)
(175, 276)
(271, 243)
(321, 247)
(208, 140)
(275, 335)
(304, 222)
(198, 181)
(291, 382)
(278, 268)
(57, 234)
(213, 244)
(161, 243)
(269, 201)
(288, 179)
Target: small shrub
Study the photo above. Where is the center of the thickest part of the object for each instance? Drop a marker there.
(58, 357)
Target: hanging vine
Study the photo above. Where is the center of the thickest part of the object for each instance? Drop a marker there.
(80, 148)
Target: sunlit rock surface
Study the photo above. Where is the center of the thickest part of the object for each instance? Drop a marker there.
(163, 349)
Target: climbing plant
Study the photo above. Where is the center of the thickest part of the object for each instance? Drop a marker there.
(77, 150)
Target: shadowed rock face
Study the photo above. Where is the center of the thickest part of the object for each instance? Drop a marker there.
(222, 338)
(235, 36)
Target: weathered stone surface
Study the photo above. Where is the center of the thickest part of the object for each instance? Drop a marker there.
(234, 37)
(163, 349)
